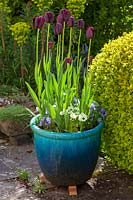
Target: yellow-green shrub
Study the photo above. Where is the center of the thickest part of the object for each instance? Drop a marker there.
(42, 4)
(76, 7)
(112, 79)
(4, 6)
(20, 31)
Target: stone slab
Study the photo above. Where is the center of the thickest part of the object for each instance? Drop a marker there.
(13, 157)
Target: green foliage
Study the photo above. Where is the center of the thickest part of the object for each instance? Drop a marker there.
(23, 174)
(20, 31)
(42, 4)
(113, 88)
(8, 89)
(38, 187)
(14, 113)
(76, 7)
(109, 18)
(4, 6)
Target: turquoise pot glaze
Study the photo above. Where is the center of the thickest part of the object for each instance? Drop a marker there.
(67, 158)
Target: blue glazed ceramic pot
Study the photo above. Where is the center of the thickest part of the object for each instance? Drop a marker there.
(67, 158)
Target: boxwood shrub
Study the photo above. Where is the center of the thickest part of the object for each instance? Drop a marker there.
(112, 80)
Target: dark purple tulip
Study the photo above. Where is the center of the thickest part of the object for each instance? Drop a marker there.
(58, 29)
(70, 21)
(69, 60)
(49, 17)
(90, 32)
(59, 19)
(81, 24)
(65, 14)
(50, 44)
(38, 21)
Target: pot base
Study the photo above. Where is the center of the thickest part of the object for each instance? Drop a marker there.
(72, 190)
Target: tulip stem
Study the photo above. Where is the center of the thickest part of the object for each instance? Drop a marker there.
(59, 45)
(79, 46)
(37, 38)
(42, 48)
(70, 42)
(63, 33)
(36, 64)
(47, 41)
(58, 57)
(88, 57)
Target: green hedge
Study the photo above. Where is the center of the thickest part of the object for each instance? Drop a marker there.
(112, 71)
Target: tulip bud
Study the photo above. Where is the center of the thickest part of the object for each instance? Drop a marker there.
(50, 44)
(90, 32)
(49, 17)
(81, 24)
(58, 29)
(69, 60)
(59, 19)
(38, 21)
(65, 14)
(70, 22)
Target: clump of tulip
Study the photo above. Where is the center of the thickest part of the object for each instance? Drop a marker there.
(60, 104)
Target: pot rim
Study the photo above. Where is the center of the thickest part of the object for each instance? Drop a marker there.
(65, 135)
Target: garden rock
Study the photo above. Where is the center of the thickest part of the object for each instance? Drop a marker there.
(18, 132)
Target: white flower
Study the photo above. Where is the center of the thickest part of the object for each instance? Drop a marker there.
(82, 117)
(76, 110)
(70, 109)
(54, 105)
(73, 115)
(62, 112)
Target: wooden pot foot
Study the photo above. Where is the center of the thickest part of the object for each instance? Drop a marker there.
(72, 190)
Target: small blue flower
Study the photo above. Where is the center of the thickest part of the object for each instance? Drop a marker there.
(92, 107)
(99, 120)
(75, 101)
(47, 121)
(42, 121)
(103, 112)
